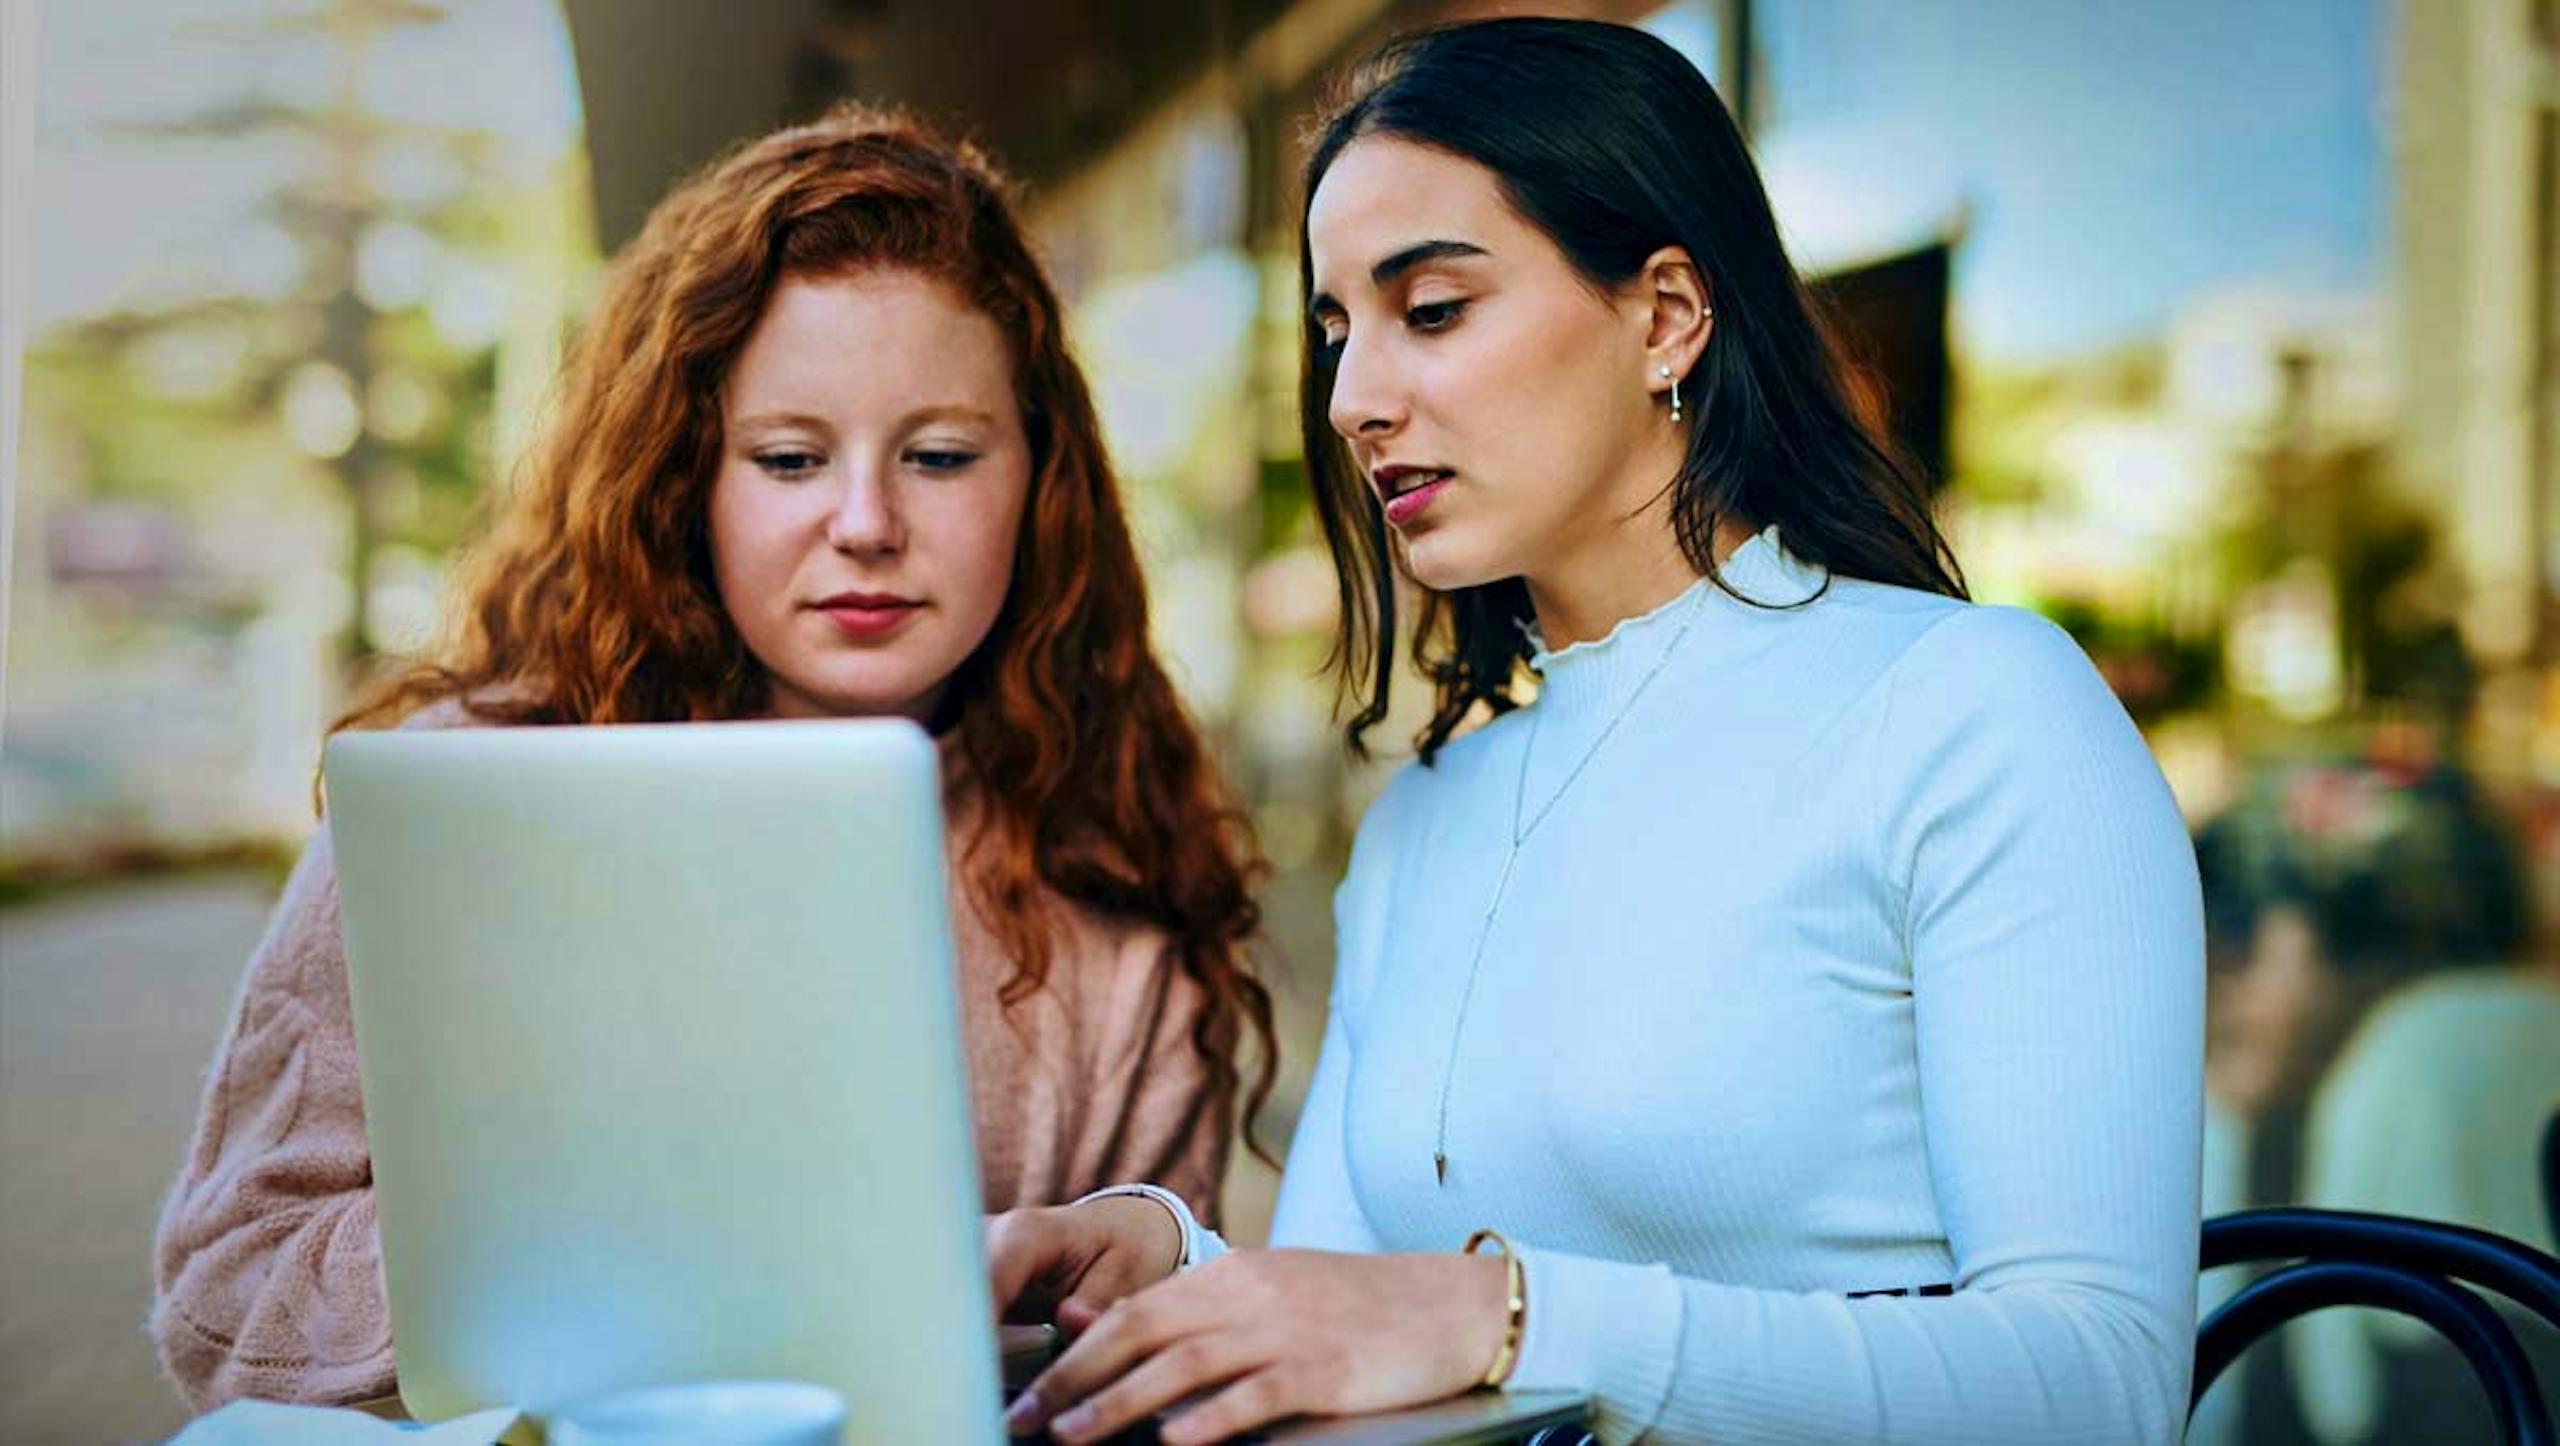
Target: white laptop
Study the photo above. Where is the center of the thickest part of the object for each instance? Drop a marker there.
(663, 1075)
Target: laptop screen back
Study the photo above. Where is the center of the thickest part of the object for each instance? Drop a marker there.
(662, 1067)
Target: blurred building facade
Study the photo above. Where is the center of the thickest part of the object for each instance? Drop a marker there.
(2476, 155)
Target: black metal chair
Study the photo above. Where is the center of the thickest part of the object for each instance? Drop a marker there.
(2415, 1267)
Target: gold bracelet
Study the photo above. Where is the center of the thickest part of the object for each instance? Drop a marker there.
(1516, 1305)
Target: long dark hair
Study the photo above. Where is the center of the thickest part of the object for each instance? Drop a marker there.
(1612, 143)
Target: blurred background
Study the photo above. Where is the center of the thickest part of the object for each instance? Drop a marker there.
(2231, 334)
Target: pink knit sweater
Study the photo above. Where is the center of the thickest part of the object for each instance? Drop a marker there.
(268, 1268)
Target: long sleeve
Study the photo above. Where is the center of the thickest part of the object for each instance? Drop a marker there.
(1317, 1210)
(267, 1264)
(2052, 930)
(1170, 1133)
(1092, 1079)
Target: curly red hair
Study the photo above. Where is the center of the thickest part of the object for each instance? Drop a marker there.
(591, 598)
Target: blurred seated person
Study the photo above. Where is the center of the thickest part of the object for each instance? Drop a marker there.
(2436, 1109)
(2327, 887)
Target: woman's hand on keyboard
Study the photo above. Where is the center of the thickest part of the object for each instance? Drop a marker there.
(1260, 1335)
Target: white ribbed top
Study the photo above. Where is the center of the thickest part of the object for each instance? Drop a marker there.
(1866, 952)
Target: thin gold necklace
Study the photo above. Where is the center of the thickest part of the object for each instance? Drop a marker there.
(1511, 857)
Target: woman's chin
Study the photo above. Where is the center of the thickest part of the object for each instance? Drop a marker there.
(1445, 564)
(846, 693)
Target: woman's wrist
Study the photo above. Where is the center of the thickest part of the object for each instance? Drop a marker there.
(1190, 1245)
(1139, 1226)
(1499, 1295)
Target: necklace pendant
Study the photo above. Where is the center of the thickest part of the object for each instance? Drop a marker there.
(1439, 1167)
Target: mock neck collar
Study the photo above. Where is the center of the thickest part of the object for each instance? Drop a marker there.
(1593, 679)
(1761, 569)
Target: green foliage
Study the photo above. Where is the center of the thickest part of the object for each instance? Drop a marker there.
(184, 407)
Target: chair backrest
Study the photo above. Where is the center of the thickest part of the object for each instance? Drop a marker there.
(2417, 1268)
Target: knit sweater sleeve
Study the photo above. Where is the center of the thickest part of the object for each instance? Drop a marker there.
(2053, 934)
(267, 1265)
(1170, 1128)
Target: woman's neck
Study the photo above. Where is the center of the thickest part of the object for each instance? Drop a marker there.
(1583, 598)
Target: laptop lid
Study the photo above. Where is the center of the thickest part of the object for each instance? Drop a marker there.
(662, 1067)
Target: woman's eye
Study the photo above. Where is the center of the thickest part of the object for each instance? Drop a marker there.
(941, 459)
(1433, 315)
(790, 461)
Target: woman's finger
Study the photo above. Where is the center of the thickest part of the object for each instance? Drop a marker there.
(1257, 1400)
(1134, 1328)
(1033, 1257)
(1187, 1367)
(1012, 1257)
(1077, 1314)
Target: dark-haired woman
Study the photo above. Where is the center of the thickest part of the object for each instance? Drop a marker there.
(1805, 987)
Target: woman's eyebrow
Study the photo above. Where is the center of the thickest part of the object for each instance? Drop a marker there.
(950, 412)
(779, 419)
(1418, 253)
(1397, 264)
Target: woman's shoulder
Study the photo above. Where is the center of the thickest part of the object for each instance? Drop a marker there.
(1978, 691)
(1981, 655)
(1413, 788)
(2000, 702)
(440, 714)
(458, 710)
(1881, 617)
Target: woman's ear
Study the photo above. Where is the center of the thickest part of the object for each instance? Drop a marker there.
(1679, 314)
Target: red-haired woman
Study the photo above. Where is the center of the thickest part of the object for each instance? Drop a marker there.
(821, 452)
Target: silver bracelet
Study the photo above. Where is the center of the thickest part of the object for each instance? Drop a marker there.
(1200, 1245)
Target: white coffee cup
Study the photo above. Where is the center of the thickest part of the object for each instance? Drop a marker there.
(705, 1413)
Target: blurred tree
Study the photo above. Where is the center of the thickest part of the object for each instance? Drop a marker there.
(374, 360)
(2331, 504)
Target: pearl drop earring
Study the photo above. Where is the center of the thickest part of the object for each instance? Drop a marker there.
(1675, 391)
